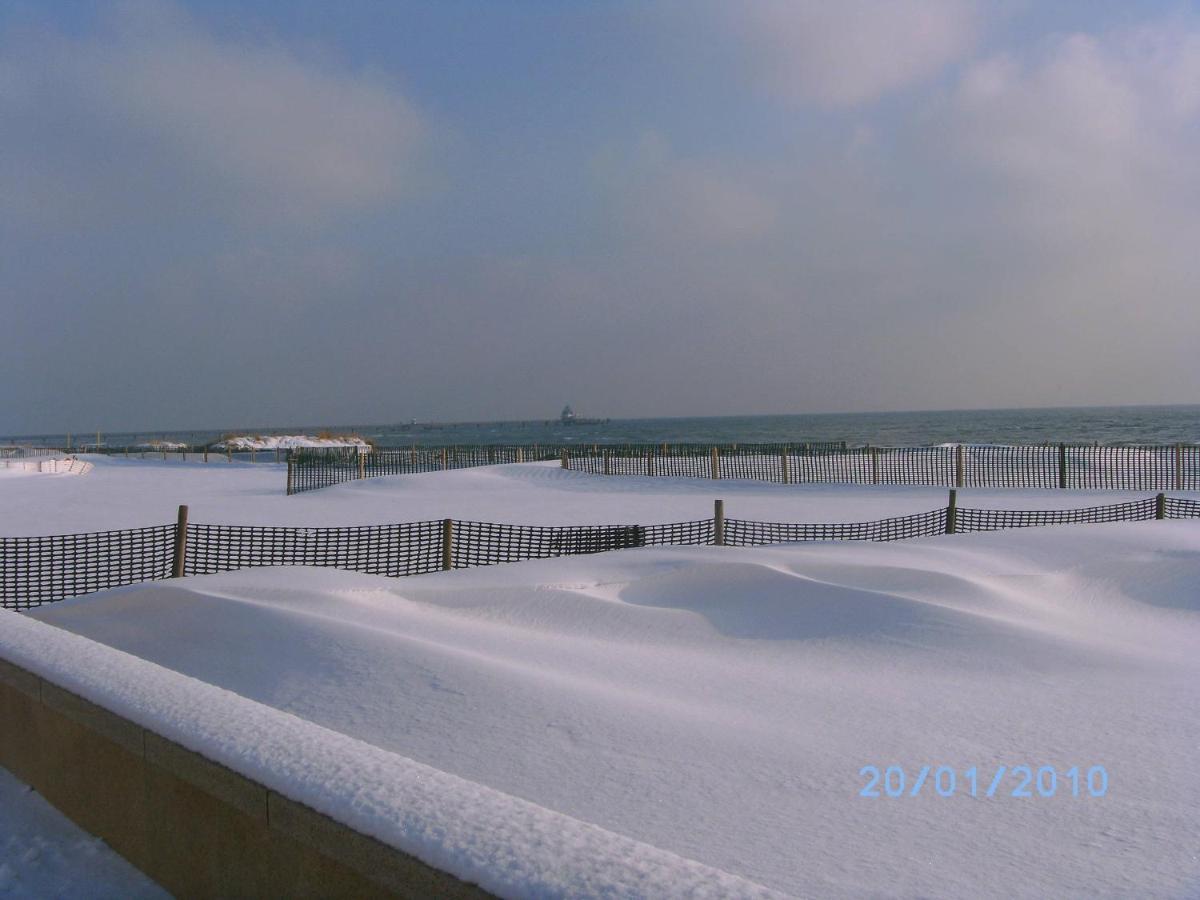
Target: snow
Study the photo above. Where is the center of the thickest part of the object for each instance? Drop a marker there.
(704, 703)
(286, 441)
(44, 854)
(134, 493)
(509, 846)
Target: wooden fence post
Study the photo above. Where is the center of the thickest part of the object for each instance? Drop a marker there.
(1062, 465)
(445, 460)
(874, 465)
(447, 544)
(290, 481)
(1160, 506)
(952, 513)
(180, 543)
(566, 464)
(1179, 467)
(958, 466)
(253, 454)
(719, 523)
(362, 465)
(228, 453)
(716, 463)
(783, 461)
(607, 464)
(650, 462)
(520, 454)
(206, 454)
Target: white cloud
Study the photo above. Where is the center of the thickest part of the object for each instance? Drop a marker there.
(851, 51)
(662, 196)
(154, 111)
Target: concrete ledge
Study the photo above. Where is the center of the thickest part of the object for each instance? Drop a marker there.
(196, 827)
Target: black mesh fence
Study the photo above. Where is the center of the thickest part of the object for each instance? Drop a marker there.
(1163, 468)
(411, 548)
(310, 470)
(995, 519)
(486, 543)
(1177, 508)
(35, 570)
(742, 533)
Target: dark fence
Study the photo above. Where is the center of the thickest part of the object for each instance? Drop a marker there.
(36, 570)
(315, 468)
(742, 533)
(310, 470)
(1175, 467)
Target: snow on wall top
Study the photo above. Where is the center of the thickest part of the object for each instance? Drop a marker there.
(506, 845)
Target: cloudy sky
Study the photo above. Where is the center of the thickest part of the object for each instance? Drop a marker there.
(368, 212)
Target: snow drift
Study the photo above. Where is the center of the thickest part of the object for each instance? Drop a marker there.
(715, 703)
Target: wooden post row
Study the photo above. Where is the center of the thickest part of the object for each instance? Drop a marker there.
(180, 543)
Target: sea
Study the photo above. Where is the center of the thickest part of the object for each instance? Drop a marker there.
(1073, 425)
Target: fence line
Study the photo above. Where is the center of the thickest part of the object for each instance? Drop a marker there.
(310, 469)
(36, 570)
(1169, 467)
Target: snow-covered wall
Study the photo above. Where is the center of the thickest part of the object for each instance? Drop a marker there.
(68, 466)
(508, 846)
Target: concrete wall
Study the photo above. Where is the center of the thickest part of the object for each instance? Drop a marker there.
(196, 827)
(69, 466)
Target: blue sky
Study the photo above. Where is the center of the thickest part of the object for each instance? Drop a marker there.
(281, 212)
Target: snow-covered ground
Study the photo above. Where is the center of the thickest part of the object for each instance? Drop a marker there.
(132, 493)
(44, 854)
(719, 703)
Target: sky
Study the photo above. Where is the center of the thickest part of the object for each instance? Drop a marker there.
(370, 212)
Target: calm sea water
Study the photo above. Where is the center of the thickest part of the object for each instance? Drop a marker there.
(1105, 425)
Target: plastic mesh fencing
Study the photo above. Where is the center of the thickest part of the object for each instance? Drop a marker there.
(411, 548)
(1177, 508)
(486, 543)
(35, 570)
(1159, 468)
(310, 470)
(995, 519)
(680, 533)
(739, 532)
